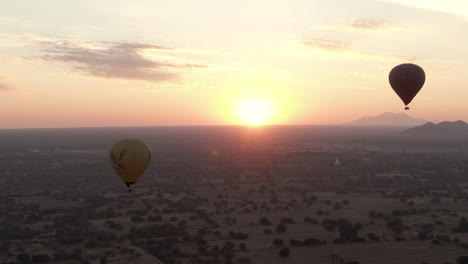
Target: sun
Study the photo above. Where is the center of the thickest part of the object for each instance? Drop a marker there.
(255, 112)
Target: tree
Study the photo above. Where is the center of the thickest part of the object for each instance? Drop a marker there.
(309, 220)
(103, 260)
(243, 260)
(91, 244)
(237, 235)
(329, 224)
(228, 256)
(284, 252)
(462, 226)
(281, 228)
(264, 221)
(348, 232)
(373, 237)
(23, 258)
(313, 242)
(242, 247)
(202, 250)
(423, 235)
(395, 224)
(278, 242)
(137, 219)
(287, 221)
(295, 243)
(40, 258)
(462, 260)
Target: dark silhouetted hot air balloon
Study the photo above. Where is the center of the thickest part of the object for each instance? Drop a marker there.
(406, 80)
(130, 158)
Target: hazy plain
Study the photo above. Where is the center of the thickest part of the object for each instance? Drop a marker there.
(203, 198)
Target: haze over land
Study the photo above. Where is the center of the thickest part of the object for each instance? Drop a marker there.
(235, 194)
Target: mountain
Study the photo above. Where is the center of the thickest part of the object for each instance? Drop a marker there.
(388, 119)
(444, 130)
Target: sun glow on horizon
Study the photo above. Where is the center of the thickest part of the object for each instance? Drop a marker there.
(255, 112)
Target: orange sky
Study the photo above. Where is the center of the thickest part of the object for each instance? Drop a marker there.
(145, 63)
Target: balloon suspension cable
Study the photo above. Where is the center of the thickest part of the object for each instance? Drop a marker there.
(129, 184)
(406, 107)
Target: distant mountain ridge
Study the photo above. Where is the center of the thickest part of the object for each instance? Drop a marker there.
(443, 130)
(388, 119)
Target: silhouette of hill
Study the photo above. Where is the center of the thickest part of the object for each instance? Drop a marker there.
(442, 131)
(388, 119)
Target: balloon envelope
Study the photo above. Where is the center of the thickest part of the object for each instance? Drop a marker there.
(130, 158)
(406, 80)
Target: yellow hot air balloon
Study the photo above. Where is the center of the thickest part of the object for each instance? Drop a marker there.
(130, 158)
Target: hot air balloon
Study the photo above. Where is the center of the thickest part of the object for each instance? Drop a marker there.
(406, 80)
(129, 158)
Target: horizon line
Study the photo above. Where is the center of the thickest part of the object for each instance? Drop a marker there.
(181, 126)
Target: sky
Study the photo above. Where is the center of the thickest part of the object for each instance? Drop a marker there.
(213, 62)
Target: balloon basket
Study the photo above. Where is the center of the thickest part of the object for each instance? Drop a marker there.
(407, 108)
(129, 186)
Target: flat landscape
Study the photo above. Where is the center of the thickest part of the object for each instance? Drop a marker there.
(233, 195)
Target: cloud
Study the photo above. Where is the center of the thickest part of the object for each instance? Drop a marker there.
(369, 24)
(15, 22)
(114, 60)
(336, 47)
(326, 43)
(4, 86)
(455, 7)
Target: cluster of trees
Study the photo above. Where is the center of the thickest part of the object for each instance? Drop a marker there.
(284, 252)
(226, 252)
(16, 233)
(154, 230)
(24, 258)
(264, 221)
(462, 226)
(412, 211)
(70, 237)
(238, 235)
(287, 221)
(348, 231)
(299, 243)
(309, 220)
(307, 242)
(113, 225)
(371, 236)
(462, 260)
(396, 225)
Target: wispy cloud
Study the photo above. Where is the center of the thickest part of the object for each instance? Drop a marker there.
(114, 60)
(4, 86)
(15, 22)
(336, 47)
(326, 43)
(368, 24)
(456, 7)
